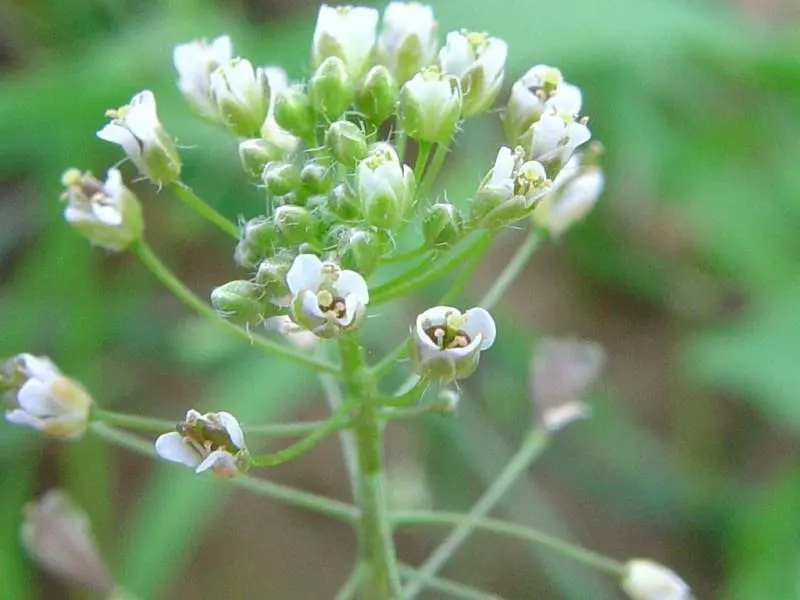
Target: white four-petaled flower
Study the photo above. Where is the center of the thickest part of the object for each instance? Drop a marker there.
(648, 580)
(211, 441)
(347, 32)
(195, 62)
(407, 41)
(430, 106)
(326, 299)
(446, 343)
(47, 400)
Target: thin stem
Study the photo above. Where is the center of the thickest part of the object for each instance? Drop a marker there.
(353, 584)
(198, 205)
(408, 255)
(333, 395)
(446, 586)
(461, 280)
(185, 295)
(423, 152)
(531, 448)
(433, 171)
(410, 395)
(514, 267)
(512, 530)
(401, 143)
(388, 362)
(319, 504)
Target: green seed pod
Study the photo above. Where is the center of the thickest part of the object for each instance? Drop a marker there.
(347, 142)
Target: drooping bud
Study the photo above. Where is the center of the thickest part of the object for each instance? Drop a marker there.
(257, 241)
(316, 178)
(294, 224)
(195, 62)
(648, 580)
(241, 94)
(360, 250)
(407, 41)
(430, 106)
(479, 63)
(137, 129)
(385, 187)
(376, 98)
(281, 177)
(347, 142)
(442, 225)
(107, 214)
(239, 301)
(343, 202)
(330, 88)
(346, 32)
(294, 112)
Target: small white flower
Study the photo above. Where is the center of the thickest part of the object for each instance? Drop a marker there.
(137, 129)
(385, 187)
(407, 41)
(553, 139)
(648, 580)
(292, 333)
(213, 441)
(326, 299)
(347, 32)
(478, 61)
(47, 400)
(241, 95)
(108, 214)
(430, 106)
(195, 62)
(446, 343)
(575, 191)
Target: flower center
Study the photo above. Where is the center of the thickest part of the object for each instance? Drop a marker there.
(331, 305)
(450, 334)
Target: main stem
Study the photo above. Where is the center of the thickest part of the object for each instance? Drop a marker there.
(376, 543)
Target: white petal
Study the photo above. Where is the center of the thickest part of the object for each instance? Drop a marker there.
(304, 274)
(467, 350)
(352, 308)
(566, 100)
(351, 283)
(503, 167)
(172, 447)
(193, 415)
(34, 397)
(20, 417)
(119, 134)
(311, 305)
(478, 321)
(142, 119)
(108, 215)
(233, 428)
(437, 315)
(456, 56)
(220, 462)
(39, 367)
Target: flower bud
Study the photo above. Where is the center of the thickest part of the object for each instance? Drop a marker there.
(346, 32)
(294, 334)
(281, 177)
(258, 239)
(360, 250)
(344, 203)
(316, 178)
(330, 89)
(137, 129)
(239, 301)
(377, 96)
(195, 62)
(347, 142)
(386, 188)
(271, 276)
(442, 225)
(407, 41)
(446, 344)
(44, 399)
(241, 94)
(430, 106)
(294, 112)
(479, 63)
(552, 140)
(294, 224)
(254, 154)
(107, 214)
(648, 580)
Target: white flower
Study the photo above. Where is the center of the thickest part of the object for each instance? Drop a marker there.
(648, 580)
(108, 214)
(195, 62)
(575, 191)
(385, 187)
(213, 441)
(325, 298)
(407, 41)
(430, 106)
(347, 32)
(137, 129)
(553, 139)
(292, 333)
(478, 61)
(58, 535)
(47, 400)
(446, 344)
(241, 95)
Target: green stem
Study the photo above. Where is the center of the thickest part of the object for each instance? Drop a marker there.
(326, 506)
(461, 280)
(353, 584)
(531, 448)
(198, 205)
(376, 544)
(514, 267)
(388, 362)
(410, 395)
(451, 588)
(401, 143)
(408, 255)
(433, 171)
(423, 152)
(185, 295)
(512, 530)
(333, 396)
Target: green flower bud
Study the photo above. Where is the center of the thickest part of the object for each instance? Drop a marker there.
(347, 142)
(271, 276)
(254, 154)
(407, 41)
(281, 177)
(442, 224)
(241, 94)
(258, 239)
(294, 112)
(430, 106)
(343, 202)
(107, 214)
(386, 188)
(360, 250)
(377, 96)
(294, 223)
(239, 301)
(316, 178)
(330, 88)
(293, 198)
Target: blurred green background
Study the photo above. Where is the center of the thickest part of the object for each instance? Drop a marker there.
(688, 272)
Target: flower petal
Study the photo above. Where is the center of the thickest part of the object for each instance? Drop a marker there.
(220, 462)
(34, 397)
(172, 447)
(478, 321)
(311, 305)
(39, 367)
(233, 428)
(20, 417)
(351, 283)
(304, 274)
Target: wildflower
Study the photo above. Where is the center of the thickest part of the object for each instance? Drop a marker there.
(45, 399)
(479, 63)
(213, 441)
(648, 580)
(326, 299)
(407, 41)
(430, 106)
(385, 186)
(137, 129)
(347, 32)
(446, 343)
(107, 214)
(195, 62)
(241, 94)
(553, 139)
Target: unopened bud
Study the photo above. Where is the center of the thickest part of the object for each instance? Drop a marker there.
(407, 42)
(343, 202)
(294, 112)
(377, 96)
(258, 239)
(271, 276)
(294, 223)
(347, 142)
(330, 89)
(241, 94)
(346, 32)
(281, 177)
(386, 187)
(254, 154)
(648, 580)
(430, 106)
(239, 301)
(360, 250)
(442, 224)
(316, 178)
